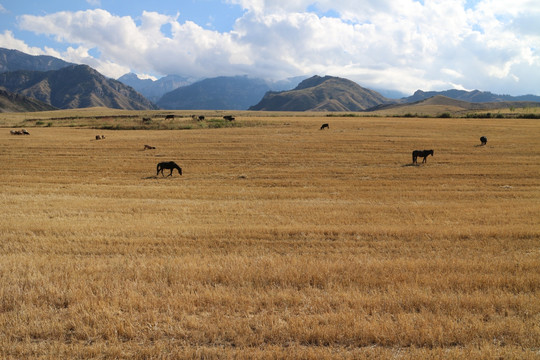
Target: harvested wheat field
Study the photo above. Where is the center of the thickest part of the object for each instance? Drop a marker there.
(279, 240)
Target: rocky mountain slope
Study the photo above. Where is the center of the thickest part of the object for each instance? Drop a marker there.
(11, 102)
(13, 60)
(326, 93)
(74, 86)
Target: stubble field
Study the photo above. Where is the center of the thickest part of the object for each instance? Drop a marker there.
(279, 241)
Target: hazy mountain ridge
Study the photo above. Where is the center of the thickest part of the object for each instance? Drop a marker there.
(220, 93)
(326, 93)
(153, 90)
(74, 86)
(474, 96)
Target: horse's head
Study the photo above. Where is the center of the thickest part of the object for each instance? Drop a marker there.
(179, 170)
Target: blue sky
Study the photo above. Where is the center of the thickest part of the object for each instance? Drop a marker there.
(403, 45)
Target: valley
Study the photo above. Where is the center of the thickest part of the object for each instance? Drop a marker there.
(278, 240)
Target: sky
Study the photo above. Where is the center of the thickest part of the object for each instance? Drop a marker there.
(401, 45)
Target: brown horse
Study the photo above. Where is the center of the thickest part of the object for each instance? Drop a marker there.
(421, 153)
(169, 165)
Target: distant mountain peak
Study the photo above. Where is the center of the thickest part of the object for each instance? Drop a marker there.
(313, 81)
(326, 93)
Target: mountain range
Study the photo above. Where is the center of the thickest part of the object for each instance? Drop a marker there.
(474, 96)
(64, 85)
(74, 86)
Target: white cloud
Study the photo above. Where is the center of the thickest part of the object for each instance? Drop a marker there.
(403, 45)
(8, 41)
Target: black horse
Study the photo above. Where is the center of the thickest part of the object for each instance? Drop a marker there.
(169, 165)
(421, 153)
(483, 140)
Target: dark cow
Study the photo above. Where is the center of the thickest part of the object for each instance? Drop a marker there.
(169, 165)
(169, 116)
(483, 140)
(201, 118)
(229, 117)
(422, 153)
(325, 126)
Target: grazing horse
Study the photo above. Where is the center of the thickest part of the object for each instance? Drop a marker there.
(325, 126)
(483, 139)
(169, 165)
(421, 153)
(229, 117)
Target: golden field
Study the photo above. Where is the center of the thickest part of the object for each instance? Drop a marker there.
(280, 240)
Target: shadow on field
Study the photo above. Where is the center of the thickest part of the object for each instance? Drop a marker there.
(158, 177)
(410, 164)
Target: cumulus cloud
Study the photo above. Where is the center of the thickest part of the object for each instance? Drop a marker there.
(405, 45)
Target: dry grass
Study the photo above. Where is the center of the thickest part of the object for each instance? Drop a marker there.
(279, 241)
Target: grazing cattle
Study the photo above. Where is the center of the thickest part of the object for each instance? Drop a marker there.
(421, 153)
(169, 165)
(229, 117)
(149, 147)
(25, 132)
(324, 126)
(483, 140)
(201, 118)
(19, 132)
(169, 116)
(98, 137)
(146, 120)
